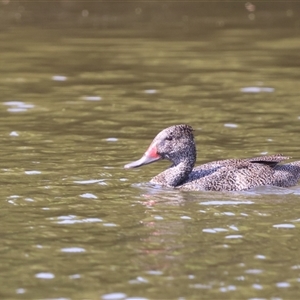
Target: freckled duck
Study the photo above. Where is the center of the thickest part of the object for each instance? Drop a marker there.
(176, 144)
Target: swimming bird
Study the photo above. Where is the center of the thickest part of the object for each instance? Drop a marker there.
(176, 143)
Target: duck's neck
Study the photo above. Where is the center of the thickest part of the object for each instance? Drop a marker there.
(176, 175)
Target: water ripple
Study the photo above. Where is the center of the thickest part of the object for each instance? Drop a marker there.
(214, 230)
(221, 202)
(257, 89)
(114, 296)
(73, 250)
(18, 106)
(92, 98)
(88, 196)
(284, 226)
(283, 284)
(90, 181)
(233, 236)
(45, 275)
(71, 219)
(33, 172)
(59, 78)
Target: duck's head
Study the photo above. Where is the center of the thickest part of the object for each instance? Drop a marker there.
(174, 143)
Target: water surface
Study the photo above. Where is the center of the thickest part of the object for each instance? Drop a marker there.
(76, 105)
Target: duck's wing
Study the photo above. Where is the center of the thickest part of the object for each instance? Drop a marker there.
(236, 176)
(223, 174)
(211, 167)
(270, 160)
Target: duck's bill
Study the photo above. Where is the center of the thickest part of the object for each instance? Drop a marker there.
(145, 160)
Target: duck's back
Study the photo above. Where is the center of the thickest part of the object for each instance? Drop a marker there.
(243, 174)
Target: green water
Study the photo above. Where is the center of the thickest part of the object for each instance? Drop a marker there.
(78, 104)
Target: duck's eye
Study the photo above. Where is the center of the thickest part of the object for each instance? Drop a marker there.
(169, 138)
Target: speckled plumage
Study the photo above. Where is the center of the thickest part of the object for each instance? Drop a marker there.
(176, 144)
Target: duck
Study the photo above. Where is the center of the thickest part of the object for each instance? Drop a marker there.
(176, 144)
